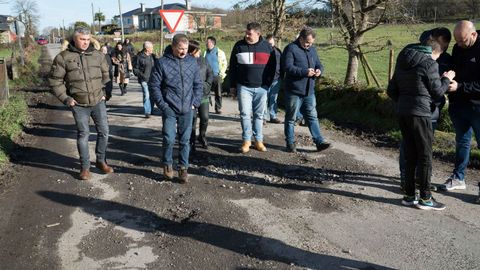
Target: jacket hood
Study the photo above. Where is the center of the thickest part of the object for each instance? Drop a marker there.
(68, 44)
(413, 55)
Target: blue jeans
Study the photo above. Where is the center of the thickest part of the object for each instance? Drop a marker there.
(147, 103)
(172, 122)
(465, 119)
(308, 107)
(251, 100)
(272, 99)
(299, 115)
(82, 119)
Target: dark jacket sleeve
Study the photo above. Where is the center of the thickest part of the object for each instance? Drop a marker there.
(232, 69)
(288, 64)
(155, 85)
(271, 68)
(197, 86)
(56, 79)
(436, 86)
(392, 89)
(208, 79)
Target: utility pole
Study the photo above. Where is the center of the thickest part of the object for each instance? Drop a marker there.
(161, 34)
(63, 28)
(121, 19)
(93, 21)
(22, 61)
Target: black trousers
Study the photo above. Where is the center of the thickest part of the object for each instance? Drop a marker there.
(217, 88)
(203, 115)
(417, 137)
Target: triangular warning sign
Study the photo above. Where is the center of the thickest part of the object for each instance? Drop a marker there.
(171, 18)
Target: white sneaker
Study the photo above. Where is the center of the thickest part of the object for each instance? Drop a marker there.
(453, 183)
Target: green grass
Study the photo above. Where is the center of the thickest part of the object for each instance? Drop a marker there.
(13, 116)
(5, 52)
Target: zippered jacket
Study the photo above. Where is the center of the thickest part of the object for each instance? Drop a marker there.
(176, 82)
(79, 75)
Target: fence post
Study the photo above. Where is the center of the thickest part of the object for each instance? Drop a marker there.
(3, 82)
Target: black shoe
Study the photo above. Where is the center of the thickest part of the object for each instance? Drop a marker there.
(322, 146)
(275, 121)
(147, 115)
(291, 148)
(203, 142)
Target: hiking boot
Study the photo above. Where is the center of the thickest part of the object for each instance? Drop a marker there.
(454, 183)
(245, 146)
(182, 176)
(291, 148)
(84, 174)
(260, 147)
(218, 111)
(147, 115)
(102, 166)
(297, 122)
(322, 146)
(275, 121)
(409, 200)
(168, 172)
(430, 204)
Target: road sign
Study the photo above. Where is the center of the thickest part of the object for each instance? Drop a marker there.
(171, 18)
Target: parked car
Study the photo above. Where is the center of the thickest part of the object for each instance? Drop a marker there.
(42, 41)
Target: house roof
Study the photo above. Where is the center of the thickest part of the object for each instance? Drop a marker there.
(3, 18)
(4, 27)
(138, 11)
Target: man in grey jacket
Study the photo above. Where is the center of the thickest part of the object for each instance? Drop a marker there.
(77, 78)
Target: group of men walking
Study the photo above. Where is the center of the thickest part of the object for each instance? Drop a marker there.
(179, 84)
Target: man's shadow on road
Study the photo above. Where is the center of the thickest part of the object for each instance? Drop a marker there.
(244, 243)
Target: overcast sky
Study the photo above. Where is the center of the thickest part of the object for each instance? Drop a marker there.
(52, 12)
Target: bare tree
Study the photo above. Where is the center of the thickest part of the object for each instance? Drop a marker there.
(473, 7)
(355, 18)
(27, 12)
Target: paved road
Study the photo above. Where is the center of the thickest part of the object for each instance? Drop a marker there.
(338, 209)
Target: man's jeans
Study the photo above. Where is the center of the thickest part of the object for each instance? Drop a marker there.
(172, 122)
(465, 119)
(272, 99)
(251, 100)
(147, 103)
(82, 118)
(308, 108)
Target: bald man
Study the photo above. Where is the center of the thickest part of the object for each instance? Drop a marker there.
(464, 108)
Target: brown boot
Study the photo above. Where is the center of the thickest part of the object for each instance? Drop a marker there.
(183, 176)
(104, 167)
(260, 147)
(168, 172)
(245, 146)
(84, 174)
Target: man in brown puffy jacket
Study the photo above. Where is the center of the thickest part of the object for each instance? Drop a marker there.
(78, 77)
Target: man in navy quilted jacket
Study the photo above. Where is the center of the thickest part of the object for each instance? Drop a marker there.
(302, 67)
(176, 87)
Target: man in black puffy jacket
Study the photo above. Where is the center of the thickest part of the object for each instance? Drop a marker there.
(143, 68)
(415, 85)
(176, 87)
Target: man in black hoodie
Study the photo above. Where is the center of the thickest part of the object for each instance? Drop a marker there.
(252, 69)
(415, 85)
(464, 107)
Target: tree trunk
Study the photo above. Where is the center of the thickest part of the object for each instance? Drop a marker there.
(351, 76)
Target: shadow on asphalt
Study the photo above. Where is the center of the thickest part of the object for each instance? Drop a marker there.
(259, 247)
